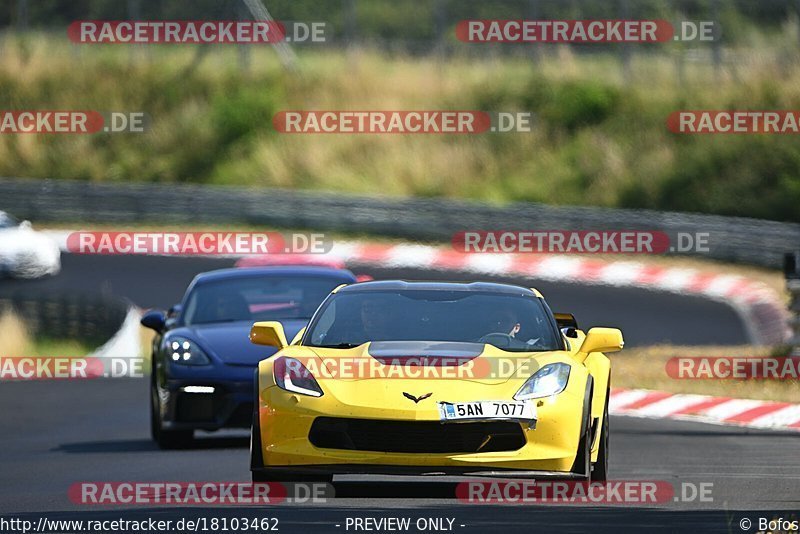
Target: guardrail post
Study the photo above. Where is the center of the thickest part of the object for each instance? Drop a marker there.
(791, 268)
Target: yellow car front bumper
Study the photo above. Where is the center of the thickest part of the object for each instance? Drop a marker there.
(285, 421)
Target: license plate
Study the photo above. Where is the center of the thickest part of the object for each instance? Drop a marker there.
(487, 410)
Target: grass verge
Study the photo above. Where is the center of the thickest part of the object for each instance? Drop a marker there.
(17, 341)
(645, 368)
(599, 138)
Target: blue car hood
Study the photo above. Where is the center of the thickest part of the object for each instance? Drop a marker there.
(230, 342)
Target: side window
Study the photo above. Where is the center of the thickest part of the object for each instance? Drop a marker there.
(324, 324)
(191, 308)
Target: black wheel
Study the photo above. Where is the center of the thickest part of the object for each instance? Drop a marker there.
(155, 423)
(583, 458)
(166, 439)
(256, 460)
(600, 467)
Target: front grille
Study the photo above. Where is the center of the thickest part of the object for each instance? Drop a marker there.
(193, 408)
(415, 436)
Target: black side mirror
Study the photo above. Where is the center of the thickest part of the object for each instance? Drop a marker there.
(569, 332)
(154, 320)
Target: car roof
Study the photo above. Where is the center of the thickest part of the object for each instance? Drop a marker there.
(401, 285)
(274, 260)
(277, 271)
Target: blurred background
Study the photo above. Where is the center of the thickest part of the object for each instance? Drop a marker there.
(599, 137)
(599, 157)
(212, 158)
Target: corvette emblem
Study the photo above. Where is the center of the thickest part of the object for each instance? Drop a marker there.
(417, 399)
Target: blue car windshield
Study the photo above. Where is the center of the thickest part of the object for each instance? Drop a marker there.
(253, 299)
(512, 322)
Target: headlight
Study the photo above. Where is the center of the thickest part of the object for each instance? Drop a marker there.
(185, 352)
(549, 380)
(292, 375)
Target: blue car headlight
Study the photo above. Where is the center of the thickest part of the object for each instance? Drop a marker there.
(185, 352)
(549, 380)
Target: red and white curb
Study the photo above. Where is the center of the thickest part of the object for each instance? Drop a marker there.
(760, 307)
(762, 310)
(705, 409)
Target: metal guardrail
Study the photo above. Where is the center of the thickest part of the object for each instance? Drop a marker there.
(791, 267)
(91, 320)
(732, 239)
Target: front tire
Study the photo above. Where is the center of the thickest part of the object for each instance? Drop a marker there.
(165, 439)
(600, 468)
(582, 467)
(256, 460)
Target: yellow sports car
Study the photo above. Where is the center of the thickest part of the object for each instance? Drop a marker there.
(426, 377)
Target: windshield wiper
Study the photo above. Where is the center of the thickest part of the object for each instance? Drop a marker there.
(340, 346)
(217, 321)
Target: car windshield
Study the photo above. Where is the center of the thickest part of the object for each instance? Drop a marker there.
(257, 299)
(512, 322)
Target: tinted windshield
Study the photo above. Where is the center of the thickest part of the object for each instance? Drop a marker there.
(507, 321)
(257, 299)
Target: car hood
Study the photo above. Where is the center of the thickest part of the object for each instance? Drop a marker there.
(403, 361)
(230, 342)
(370, 396)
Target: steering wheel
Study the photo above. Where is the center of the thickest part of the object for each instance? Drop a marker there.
(498, 339)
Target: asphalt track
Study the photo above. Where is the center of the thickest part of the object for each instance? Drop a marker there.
(56, 433)
(645, 316)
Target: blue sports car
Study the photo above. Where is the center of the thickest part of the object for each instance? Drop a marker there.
(203, 363)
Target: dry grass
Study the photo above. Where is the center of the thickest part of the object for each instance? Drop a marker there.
(14, 338)
(646, 368)
(598, 139)
(146, 336)
(16, 341)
